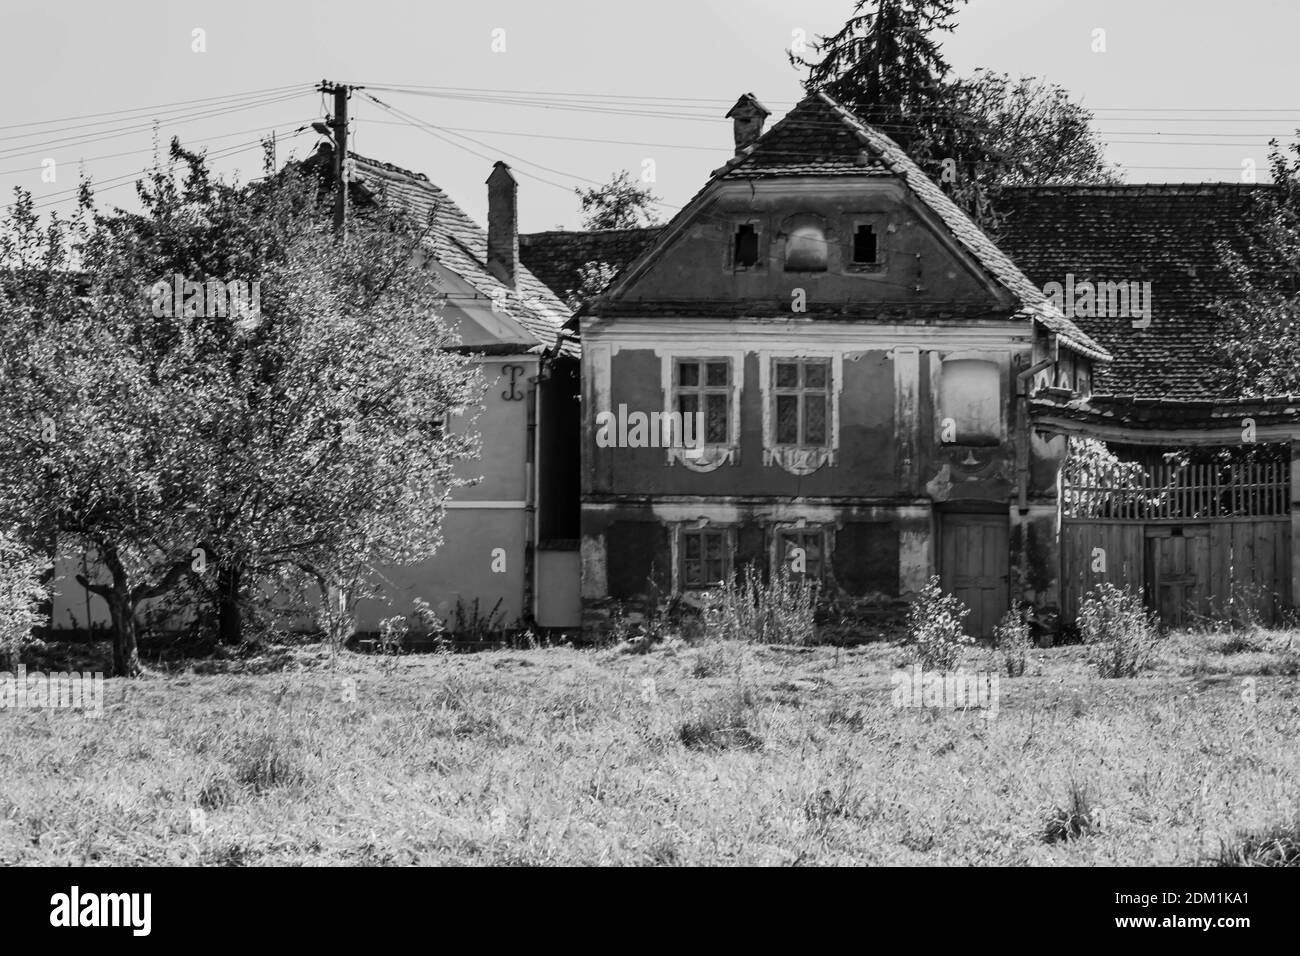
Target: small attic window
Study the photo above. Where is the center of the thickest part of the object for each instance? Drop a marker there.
(864, 245)
(746, 252)
(805, 246)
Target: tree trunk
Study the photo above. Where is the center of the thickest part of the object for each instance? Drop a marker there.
(230, 616)
(126, 654)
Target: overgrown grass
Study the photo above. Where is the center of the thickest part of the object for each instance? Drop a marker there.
(777, 611)
(1011, 644)
(1278, 845)
(763, 754)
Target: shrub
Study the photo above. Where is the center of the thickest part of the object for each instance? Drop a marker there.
(934, 625)
(777, 612)
(1011, 643)
(1075, 820)
(1121, 632)
(725, 723)
(21, 593)
(1276, 846)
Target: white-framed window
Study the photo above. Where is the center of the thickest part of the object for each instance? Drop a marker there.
(801, 409)
(708, 384)
(801, 397)
(703, 386)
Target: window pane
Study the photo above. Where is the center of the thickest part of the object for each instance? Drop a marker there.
(787, 420)
(715, 419)
(692, 547)
(714, 545)
(814, 375)
(716, 374)
(787, 375)
(693, 572)
(714, 571)
(688, 404)
(688, 373)
(814, 426)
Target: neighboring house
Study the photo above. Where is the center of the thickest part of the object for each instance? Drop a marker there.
(512, 535)
(912, 420)
(510, 540)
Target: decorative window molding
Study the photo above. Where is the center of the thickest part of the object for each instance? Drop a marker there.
(703, 555)
(711, 453)
(800, 457)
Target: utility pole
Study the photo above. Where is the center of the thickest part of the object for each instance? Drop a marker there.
(339, 126)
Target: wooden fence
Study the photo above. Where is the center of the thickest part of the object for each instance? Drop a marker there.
(1200, 540)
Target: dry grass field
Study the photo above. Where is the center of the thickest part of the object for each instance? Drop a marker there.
(714, 753)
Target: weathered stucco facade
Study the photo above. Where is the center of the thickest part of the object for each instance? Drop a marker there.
(860, 356)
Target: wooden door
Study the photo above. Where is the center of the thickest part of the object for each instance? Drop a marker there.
(1178, 572)
(974, 564)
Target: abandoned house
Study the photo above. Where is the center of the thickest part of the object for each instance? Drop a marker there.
(886, 394)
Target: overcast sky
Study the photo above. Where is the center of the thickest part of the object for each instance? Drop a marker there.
(1223, 78)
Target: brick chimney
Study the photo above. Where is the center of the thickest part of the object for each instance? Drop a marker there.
(503, 224)
(748, 116)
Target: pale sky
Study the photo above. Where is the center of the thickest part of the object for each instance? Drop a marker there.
(1184, 92)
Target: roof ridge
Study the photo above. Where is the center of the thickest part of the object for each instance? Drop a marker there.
(1141, 189)
(394, 168)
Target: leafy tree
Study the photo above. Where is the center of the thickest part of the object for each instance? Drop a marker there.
(593, 277)
(619, 204)
(222, 449)
(21, 595)
(972, 136)
(1259, 348)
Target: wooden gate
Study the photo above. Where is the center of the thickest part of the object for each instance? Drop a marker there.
(974, 565)
(1206, 540)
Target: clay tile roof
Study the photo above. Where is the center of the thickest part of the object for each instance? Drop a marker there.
(557, 257)
(1165, 234)
(459, 244)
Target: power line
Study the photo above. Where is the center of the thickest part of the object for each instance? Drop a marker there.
(141, 109)
(233, 103)
(125, 179)
(127, 131)
(137, 152)
(409, 87)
